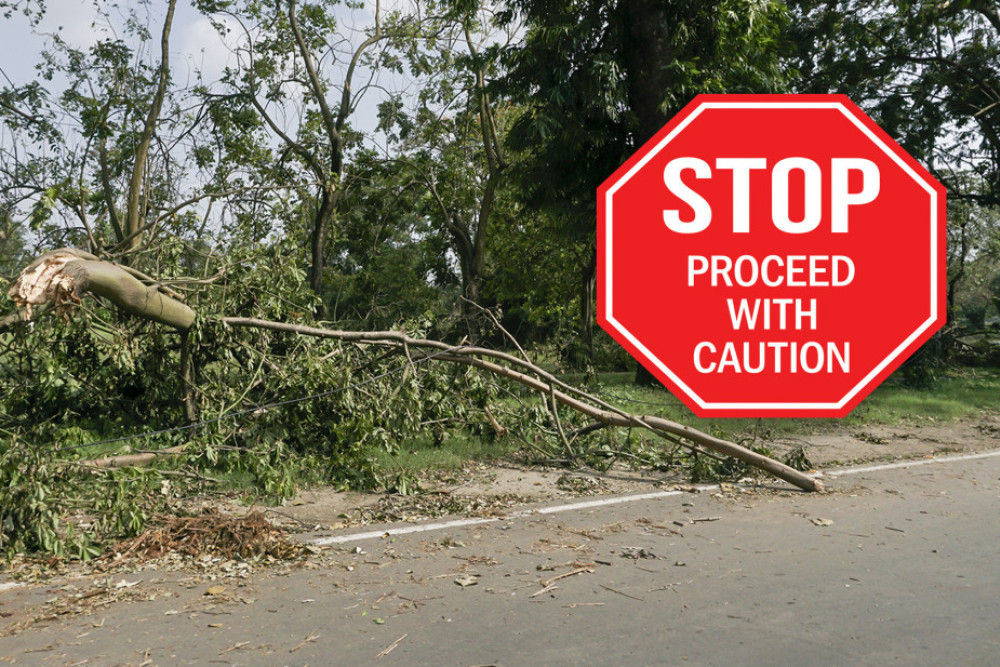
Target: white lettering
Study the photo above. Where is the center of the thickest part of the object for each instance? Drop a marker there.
(697, 357)
(812, 196)
(741, 167)
(702, 211)
(812, 357)
(695, 271)
(840, 195)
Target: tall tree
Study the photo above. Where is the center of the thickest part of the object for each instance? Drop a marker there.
(295, 61)
(929, 73)
(449, 141)
(599, 78)
(111, 165)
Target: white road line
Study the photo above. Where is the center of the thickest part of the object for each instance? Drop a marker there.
(916, 462)
(616, 500)
(458, 523)
(421, 528)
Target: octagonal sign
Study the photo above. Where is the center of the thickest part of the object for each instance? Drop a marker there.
(771, 255)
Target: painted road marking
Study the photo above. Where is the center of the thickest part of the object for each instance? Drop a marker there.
(909, 464)
(458, 523)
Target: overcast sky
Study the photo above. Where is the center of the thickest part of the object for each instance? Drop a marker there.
(195, 45)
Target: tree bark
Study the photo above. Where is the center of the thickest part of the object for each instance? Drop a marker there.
(61, 277)
(647, 54)
(588, 302)
(187, 380)
(133, 220)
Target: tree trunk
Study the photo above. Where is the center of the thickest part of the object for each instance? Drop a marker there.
(647, 54)
(646, 57)
(133, 219)
(61, 277)
(588, 303)
(316, 244)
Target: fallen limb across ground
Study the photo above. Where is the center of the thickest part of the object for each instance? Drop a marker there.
(537, 378)
(62, 277)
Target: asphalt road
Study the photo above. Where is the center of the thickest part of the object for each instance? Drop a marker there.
(897, 566)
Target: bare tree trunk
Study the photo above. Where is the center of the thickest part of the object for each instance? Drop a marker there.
(588, 297)
(133, 220)
(187, 380)
(317, 240)
(333, 125)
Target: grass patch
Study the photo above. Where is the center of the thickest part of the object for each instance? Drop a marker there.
(960, 394)
(424, 454)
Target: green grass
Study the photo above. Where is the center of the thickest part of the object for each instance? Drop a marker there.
(959, 394)
(423, 454)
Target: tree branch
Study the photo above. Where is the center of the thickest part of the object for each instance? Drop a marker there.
(543, 382)
(135, 190)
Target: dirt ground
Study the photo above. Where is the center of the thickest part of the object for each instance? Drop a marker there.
(489, 489)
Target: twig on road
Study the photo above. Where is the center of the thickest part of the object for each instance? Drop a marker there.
(311, 638)
(608, 588)
(547, 589)
(388, 649)
(582, 570)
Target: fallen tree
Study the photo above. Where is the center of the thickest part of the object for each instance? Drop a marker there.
(61, 278)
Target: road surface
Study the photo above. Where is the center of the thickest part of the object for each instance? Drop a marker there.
(894, 566)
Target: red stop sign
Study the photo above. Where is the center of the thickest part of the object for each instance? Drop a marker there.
(771, 255)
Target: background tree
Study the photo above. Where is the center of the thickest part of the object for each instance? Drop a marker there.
(449, 139)
(109, 168)
(929, 74)
(294, 59)
(599, 78)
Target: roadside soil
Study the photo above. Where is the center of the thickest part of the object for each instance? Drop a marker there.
(485, 489)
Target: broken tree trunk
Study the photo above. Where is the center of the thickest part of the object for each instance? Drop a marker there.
(62, 276)
(59, 278)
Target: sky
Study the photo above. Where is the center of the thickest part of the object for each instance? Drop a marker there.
(195, 44)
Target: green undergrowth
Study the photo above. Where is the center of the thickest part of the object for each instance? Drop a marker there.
(962, 393)
(53, 505)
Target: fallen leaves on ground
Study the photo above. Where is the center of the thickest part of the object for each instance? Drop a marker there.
(212, 533)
